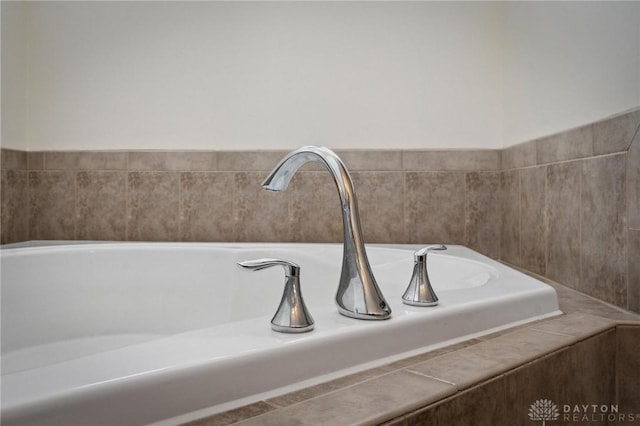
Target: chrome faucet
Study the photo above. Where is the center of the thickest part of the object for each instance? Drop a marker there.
(358, 294)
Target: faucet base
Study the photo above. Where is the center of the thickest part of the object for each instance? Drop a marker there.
(365, 316)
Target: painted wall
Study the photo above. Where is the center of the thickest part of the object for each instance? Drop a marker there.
(13, 83)
(568, 64)
(274, 75)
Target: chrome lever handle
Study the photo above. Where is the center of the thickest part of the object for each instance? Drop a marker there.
(420, 292)
(291, 269)
(292, 315)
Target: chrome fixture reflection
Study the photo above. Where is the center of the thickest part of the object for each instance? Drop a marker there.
(420, 292)
(358, 294)
(292, 315)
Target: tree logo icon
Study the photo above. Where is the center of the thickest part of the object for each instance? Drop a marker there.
(543, 409)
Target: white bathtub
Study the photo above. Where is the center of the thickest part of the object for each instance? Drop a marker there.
(137, 333)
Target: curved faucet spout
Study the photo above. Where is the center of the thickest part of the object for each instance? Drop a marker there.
(358, 294)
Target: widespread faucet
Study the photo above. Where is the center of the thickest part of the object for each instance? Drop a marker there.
(358, 294)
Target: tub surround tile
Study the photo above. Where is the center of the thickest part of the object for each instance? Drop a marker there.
(85, 160)
(562, 377)
(597, 383)
(173, 160)
(368, 403)
(604, 228)
(234, 416)
(14, 205)
(633, 183)
(569, 145)
(633, 270)
(260, 215)
(472, 365)
(380, 205)
(478, 406)
(628, 365)
(577, 325)
(314, 208)
(521, 155)
(206, 206)
(615, 134)
(101, 205)
(451, 160)
(562, 208)
(52, 196)
(483, 206)
(324, 388)
(510, 217)
(434, 207)
(11, 159)
(153, 204)
(35, 160)
(371, 160)
(532, 225)
(249, 161)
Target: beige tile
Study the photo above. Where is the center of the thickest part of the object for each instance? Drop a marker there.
(563, 207)
(628, 365)
(569, 145)
(85, 160)
(577, 325)
(532, 225)
(260, 215)
(603, 239)
(11, 159)
(324, 388)
(249, 161)
(206, 206)
(572, 301)
(484, 404)
(451, 160)
(315, 208)
(371, 160)
(615, 134)
(633, 270)
(417, 359)
(595, 373)
(173, 160)
(381, 205)
(102, 205)
(521, 155)
(35, 160)
(472, 365)
(510, 219)
(14, 206)
(580, 374)
(233, 416)
(548, 378)
(483, 212)
(153, 205)
(434, 207)
(51, 205)
(633, 182)
(369, 403)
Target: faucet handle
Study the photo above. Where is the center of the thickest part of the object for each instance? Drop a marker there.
(292, 315)
(420, 292)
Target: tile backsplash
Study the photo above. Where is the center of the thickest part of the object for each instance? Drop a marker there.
(566, 206)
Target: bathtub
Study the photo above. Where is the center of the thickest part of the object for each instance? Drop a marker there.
(143, 333)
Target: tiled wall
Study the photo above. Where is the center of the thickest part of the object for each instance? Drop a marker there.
(404, 196)
(560, 377)
(565, 206)
(571, 208)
